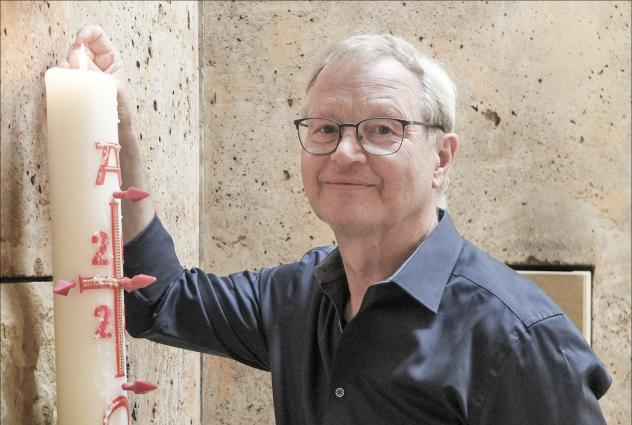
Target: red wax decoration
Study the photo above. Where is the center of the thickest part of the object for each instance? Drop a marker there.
(137, 282)
(119, 402)
(103, 312)
(99, 258)
(64, 286)
(112, 282)
(117, 253)
(139, 387)
(105, 167)
(132, 194)
(87, 283)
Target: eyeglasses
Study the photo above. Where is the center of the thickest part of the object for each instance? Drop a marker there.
(377, 136)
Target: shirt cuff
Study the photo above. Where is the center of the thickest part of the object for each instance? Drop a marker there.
(152, 253)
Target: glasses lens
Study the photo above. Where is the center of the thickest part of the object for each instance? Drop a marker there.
(381, 136)
(318, 135)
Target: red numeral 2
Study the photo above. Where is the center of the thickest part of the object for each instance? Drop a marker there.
(99, 258)
(103, 312)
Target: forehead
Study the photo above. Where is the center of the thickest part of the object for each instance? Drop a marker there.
(352, 86)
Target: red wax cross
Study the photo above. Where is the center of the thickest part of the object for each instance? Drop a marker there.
(115, 281)
(111, 282)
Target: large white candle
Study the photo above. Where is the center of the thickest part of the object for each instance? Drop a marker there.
(84, 175)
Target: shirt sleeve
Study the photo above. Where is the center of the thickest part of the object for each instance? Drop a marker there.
(548, 376)
(227, 316)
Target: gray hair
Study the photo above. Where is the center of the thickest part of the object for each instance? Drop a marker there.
(437, 94)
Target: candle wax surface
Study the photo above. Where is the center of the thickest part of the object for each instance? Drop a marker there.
(82, 111)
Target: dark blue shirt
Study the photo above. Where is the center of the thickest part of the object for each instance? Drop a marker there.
(453, 337)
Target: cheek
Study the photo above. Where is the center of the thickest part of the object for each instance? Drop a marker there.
(409, 174)
(309, 172)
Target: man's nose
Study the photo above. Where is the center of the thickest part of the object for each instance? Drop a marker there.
(349, 148)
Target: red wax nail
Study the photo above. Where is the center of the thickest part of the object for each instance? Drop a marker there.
(133, 194)
(139, 387)
(137, 282)
(63, 287)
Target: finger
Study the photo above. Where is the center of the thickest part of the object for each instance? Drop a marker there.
(95, 38)
(106, 60)
(63, 64)
(113, 68)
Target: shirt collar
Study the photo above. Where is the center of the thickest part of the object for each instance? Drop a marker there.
(425, 272)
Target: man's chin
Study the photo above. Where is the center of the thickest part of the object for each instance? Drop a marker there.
(349, 223)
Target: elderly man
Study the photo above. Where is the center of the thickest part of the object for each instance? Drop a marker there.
(404, 322)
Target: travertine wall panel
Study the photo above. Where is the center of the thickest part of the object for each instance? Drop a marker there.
(542, 175)
(158, 42)
(28, 354)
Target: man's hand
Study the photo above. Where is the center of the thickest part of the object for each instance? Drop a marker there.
(103, 57)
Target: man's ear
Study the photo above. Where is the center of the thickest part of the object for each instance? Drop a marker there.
(446, 151)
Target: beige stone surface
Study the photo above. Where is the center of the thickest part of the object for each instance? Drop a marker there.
(177, 374)
(542, 175)
(234, 394)
(158, 42)
(27, 354)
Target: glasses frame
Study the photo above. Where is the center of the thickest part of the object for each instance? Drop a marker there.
(404, 123)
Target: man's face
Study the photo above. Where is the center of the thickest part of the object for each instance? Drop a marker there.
(350, 189)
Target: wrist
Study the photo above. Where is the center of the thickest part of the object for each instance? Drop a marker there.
(124, 112)
(127, 139)
(125, 128)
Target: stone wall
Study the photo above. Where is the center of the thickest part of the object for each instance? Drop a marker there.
(542, 174)
(159, 44)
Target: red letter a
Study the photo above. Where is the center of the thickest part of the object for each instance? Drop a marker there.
(105, 161)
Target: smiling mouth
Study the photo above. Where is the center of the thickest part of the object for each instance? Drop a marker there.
(348, 184)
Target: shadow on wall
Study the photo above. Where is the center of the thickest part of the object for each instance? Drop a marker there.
(12, 232)
(28, 175)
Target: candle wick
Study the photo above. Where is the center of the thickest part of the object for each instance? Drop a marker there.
(83, 58)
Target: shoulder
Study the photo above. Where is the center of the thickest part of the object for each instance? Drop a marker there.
(298, 276)
(319, 253)
(307, 262)
(508, 289)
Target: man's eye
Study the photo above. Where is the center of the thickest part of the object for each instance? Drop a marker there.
(328, 129)
(382, 129)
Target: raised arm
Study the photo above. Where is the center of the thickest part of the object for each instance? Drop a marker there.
(104, 57)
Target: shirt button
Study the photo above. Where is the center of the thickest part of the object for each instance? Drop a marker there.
(340, 392)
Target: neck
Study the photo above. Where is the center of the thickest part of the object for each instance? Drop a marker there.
(372, 255)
